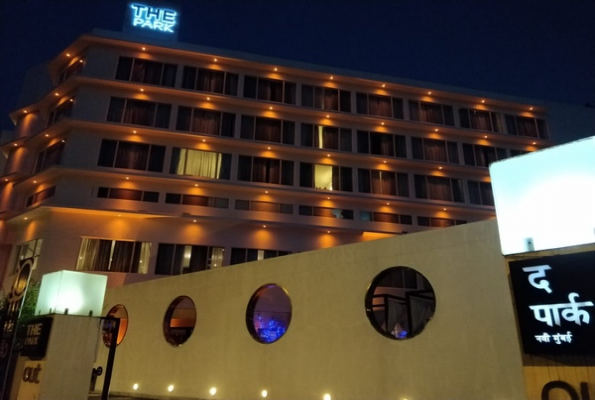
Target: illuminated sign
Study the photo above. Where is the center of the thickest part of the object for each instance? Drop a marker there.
(554, 299)
(545, 199)
(154, 18)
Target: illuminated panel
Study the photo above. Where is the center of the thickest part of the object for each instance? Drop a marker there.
(546, 199)
(70, 292)
(555, 303)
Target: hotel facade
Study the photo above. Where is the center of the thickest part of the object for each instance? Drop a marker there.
(148, 158)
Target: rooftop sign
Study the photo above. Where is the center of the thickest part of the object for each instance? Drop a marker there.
(546, 199)
(152, 20)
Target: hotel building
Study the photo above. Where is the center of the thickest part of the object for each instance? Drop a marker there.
(149, 158)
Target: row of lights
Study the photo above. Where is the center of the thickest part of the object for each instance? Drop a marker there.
(213, 391)
(331, 77)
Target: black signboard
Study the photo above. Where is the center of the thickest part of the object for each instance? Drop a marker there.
(555, 303)
(36, 339)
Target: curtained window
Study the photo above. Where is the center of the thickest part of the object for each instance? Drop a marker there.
(383, 182)
(326, 137)
(113, 256)
(269, 89)
(383, 106)
(177, 259)
(146, 71)
(139, 112)
(433, 113)
(326, 98)
(205, 121)
(242, 255)
(526, 126)
(382, 144)
(265, 170)
(199, 163)
(438, 188)
(435, 150)
(131, 155)
(482, 156)
(48, 157)
(326, 177)
(480, 120)
(480, 193)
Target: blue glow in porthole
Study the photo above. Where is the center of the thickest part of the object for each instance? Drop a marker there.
(154, 18)
(268, 314)
(269, 330)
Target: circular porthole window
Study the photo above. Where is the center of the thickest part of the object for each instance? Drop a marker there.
(268, 314)
(400, 302)
(117, 311)
(179, 320)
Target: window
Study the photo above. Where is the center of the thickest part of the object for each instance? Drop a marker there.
(382, 144)
(179, 321)
(481, 193)
(199, 163)
(382, 106)
(269, 89)
(239, 255)
(431, 112)
(326, 212)
(383, 182)
(326, 98)
(127, 194)
(41, 196)
(400, 302)
(439, 222)
(438, 188)
(194, 200)
(526, 126)
(131, 155)
(480, 119)
(24, 251)
(267, 130)
(146, 71)
(326, 137)
(48, 157)
(75, 67)
(327, 177)
(120, 312)
(435, 150)
(210, 80)
(205, 121)
(178, 259)
(113, 256)
(265, 206)
(482, 156)
(268, 314)
(61, 111)
(139, 112)
(265, 170)
(385, 217)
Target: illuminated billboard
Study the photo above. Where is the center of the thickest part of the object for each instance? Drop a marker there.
(554, 300)
(157, 20)
(546, 199)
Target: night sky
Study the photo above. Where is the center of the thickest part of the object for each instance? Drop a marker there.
(540, 49)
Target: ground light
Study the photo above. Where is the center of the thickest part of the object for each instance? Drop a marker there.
(135, 386)
(170, 388)
(213, 391)
(264, 393)
(326, 397)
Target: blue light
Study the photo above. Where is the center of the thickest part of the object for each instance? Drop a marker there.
(269, 330)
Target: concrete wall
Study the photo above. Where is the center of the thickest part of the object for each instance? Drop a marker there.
(469, 350)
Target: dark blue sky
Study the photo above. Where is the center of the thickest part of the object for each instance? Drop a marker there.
(541, 49)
